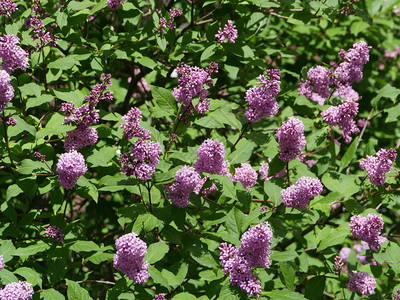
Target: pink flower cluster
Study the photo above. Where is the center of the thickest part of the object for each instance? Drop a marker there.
(368, 229)
(361, 282)
(342, 115)
(160, 296)
(300, 194)
(211, 155)
(12, 54)
(229, 34)
(85, 116)
(377, 166)
(132, 125)
(173, 13)
(55, 233)
(191, 83)
(21, 290)
(291, 139)
(70, 167)
(187, 181)
(6, 90)
(262, 98)
(129, 257)
(358, 248)
(253, 252)
(7, 7)
(114, 4)
(246, 175)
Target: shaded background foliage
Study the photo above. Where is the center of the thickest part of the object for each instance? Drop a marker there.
(289, 35)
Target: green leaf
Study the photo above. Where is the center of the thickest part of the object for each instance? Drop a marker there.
(393, 113)
(84, 246)
(37, 101)
(64, 63)
(158, 277)
(102, 157)
(243, 152)
(13, 191)
(387, 91)
(284, 256)
(287, 274)
(275, 166)
(349, 155)
(7, 249)
(162, 42)
(52, 294)
(100, 257)
(203, 257)
(54, 126)
(208, 52)
(155, 252)
(329, 236)
(30, 275)
(393, 257)
(235, 220)
(315, 287)
(344, 184)
(284, 295)
(21, 124)
(147, 222)
(32, 249)
(7, 277)
(184, 296)
(28, 167)
(164, 100)
(76, 292)
(31, 89)
(273, 191)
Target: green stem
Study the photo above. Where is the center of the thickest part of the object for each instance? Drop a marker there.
(241, 135)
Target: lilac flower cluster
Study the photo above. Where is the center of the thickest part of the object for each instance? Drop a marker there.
(129, 257)
(368, 229)
(2, 262)
(211, 155)
(397, 295)
(70, 167)
(21, 290)
(160, 296)
(40, 156)
(342, 115)
(253, 252)
(191, 83)
(358, 248)
(317, 86)
(262, 98)
(55, 233)
(173, 13)
(12, 54)
(132, 125)
(142, 159)
(7, 7)
(377, 166)
(9, 120)
(187, 181)
(114, 4)
(300, 194)
(229, 34)
(291, 139)
(361, 282)
(6, 90)
(245, 175)
(85, 116)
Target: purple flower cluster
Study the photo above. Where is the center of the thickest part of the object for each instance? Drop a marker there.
(6, 90)
(70, 167)
(291, 139)
(2, 263)
(397, 295)
(358, 248)
(245, 175)
(262, 98)
(368, 229)
(12, 54)
(211, 155)
(85, 116)
(320, 80)
(342, 115)
(129, 257)
(21, 290)
(253, 252)
(173, 13)
(160, 296)
(191, 83)
(300, 194)
(132, 125)
(361, 282)
(142, 159)
(377, 166)
(7, 7)
(55, 233)
(187, 181)
(229, 34)
(317, 86)
(114, 4)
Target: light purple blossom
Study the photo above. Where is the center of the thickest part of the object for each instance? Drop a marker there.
(361, 282)
(291, 139)
(377, 166)
(342, 116)
(300, 194)
(253, 252)
(7, 7)
(12, 54)
(229, 34)
(70, 167)
(368, 229)
(6, 90)
(262, 98)
(317, 85)
(142, 159)
(21, 290)
(80, 137)
(245, 175)
(160, 296)
(114, 4)
(129, 257)
(211, 155)
(132, 125)
(55, 233)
